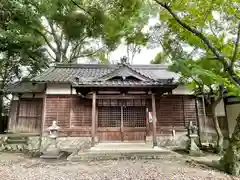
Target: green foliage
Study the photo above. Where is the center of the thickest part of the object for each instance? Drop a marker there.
(20, 48)
(160, 58)
(206, 33)
(200, 75)
(70, 28)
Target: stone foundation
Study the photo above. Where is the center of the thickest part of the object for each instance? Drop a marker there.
(69, 144)
(179, 140)
(38, 144)
(19, 143)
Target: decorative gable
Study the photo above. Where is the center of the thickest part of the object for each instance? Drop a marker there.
(125, 72)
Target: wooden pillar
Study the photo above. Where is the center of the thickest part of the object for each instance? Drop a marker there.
(18, 111)
(43, 113)
(96, 118)
(147, 122)
(122, 123)
(154, 121)
(93, 117)
(70, 109)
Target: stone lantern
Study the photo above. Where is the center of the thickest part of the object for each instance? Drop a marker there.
(53, 131)
(192, 148)
(52, 151)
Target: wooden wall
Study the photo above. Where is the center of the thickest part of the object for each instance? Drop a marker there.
(26, 115)
(73, 114)
(174, 113)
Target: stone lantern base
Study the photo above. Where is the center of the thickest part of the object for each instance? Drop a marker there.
(192, 147)
(52, 152)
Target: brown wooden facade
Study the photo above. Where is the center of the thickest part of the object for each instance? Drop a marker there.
(120, 104)
(125, 119)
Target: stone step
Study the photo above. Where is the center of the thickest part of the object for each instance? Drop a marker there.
(15, 147)
(129, 148)
(96, 156)
(16, 140)
(121, 147)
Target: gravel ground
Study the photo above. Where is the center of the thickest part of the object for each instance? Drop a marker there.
(18, 167)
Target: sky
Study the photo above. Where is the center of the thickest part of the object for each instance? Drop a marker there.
(145, 56)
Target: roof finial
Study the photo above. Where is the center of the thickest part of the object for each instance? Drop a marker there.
(124, 60)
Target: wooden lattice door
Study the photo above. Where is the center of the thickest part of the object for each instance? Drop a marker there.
(109, 123)
(134, 123)
(121, 123)
(109, 116)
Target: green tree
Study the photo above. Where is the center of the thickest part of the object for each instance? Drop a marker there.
(206, 79)
(213, 29)
(73, 29)
(18, 49)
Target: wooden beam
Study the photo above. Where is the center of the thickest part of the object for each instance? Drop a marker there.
(120, 97)
(154, 114)
(109, 129)
(93, 117)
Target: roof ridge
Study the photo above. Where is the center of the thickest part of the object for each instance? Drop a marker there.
(139, 72)
(140, 66)
(131, 68)
(63, 65)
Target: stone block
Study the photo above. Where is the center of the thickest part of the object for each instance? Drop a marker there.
(179, 140)
(33, 143)
(69, 144)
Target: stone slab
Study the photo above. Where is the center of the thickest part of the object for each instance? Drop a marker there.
(45, 156)
(117, 151)
(87, 156)
(126, 147)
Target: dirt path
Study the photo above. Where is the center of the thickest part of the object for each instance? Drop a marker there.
(18, 167)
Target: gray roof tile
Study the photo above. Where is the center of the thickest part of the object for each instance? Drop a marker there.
(93, 75)
(26, 87)
(87, 72)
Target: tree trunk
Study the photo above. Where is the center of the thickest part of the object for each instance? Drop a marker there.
(219, 146)
(230, 160)
(1, 112)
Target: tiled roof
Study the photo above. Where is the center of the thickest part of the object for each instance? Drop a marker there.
(116, 83)
(94, 75)
(26, 87)
(88, 72)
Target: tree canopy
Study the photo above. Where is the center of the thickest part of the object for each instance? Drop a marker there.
(211, 28)
(72, 29)
(206, 38)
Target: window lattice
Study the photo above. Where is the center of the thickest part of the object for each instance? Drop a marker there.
(134, 116)
(109, 116)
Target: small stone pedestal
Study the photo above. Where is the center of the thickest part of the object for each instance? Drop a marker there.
(192, 147)
(52, 151)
